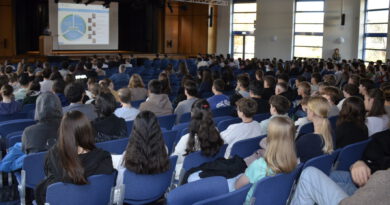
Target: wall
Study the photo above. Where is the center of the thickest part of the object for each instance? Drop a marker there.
(223, 30)
(7, 34)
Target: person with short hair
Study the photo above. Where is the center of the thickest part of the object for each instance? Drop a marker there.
(365, 85)
(332, 94)
(58, 89)
(74, 92)
(243, 85)
(315, 80)
(46, 84)
(191, 91)
(218, 100)
(126, 112)
(248, 128)
(157, 102)
(269, 87)
(349, 90)
(279, 106)
(121, 76)
(256, 92)
(24, 82)
(8, 105)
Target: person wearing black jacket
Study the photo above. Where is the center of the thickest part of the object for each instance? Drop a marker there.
(255, 92)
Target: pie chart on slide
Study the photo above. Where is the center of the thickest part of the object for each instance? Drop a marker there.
(73, 27)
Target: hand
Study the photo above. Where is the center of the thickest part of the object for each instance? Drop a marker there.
(360, 173)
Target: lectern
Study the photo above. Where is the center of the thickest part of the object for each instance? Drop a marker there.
(45, 45)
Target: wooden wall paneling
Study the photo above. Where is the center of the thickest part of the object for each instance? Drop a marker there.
(200, 32)
(7, 38)
(212, 32)
(185, 34)
(171, 27)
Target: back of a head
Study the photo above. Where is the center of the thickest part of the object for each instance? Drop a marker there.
(247, 106)
(7, 90)
(74, 92)
(24, 79)
(105, 104)
(219, 85)
(155, 87)
(306, 88)
(280, 154)
(377, 109)
(46, 73)
(202, 126)
(283, 78)
(59, 86)
(122, 68)
(243, 80)
(256, 88)
(48, 107)
(124, 95)
(353, 110)
(270, 80)
(136, 81)
(351, 89)
(191, 89)
(280, 103)
(368, 84)
(332, 92)
(145, 152)
(282, 86)
(316, 77)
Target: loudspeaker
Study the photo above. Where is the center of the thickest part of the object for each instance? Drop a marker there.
(342, 19)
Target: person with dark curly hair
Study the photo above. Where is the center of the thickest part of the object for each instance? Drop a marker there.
(203, 135)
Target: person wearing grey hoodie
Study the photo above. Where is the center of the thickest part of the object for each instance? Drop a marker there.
(41, 136)
(157, 103)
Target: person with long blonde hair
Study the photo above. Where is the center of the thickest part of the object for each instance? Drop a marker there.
(309, 146)
(279, 157)
(137, 88)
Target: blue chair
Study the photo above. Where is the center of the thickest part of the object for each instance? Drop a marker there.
(223, 125)
(186, 117)
(32, 173)
(169, 139)
(143, 189)
(245, 148)
(324, 162)
(129, 125)
(97, 191)
(232, 198)
(14, 126)
(306, 129)
(261, 117)
(13, 138)
(137, 103)
(28, 107)
(198, 191)
(350, 154)
(114, 146)
(223, 111)
(178, 128)
(15, 116)
(167, 121)
(195, 159)
(221, 118)
(276, 189)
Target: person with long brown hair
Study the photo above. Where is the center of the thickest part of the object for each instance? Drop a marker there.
(377, 119)
(75, 157)
(137, 88)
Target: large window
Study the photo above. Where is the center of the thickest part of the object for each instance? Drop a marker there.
(244, 19)
(308, 28)
(375, 30)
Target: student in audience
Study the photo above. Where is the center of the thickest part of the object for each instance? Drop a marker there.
(315, 80)
(322, 142)
(75, 93)
(166, 85)
(243, 86)
(351, 127)
(377, 119)
(100, 68)
(331, 94)
(24, 82)
(302, 120)
(74, 157)
(218, 100)
(126, 112)
(137, 88)
(107, 125)
(107, 84)
(58, 89)
(121, 76)
(157, 102)
(349, 90)
(185, 106)
(32, 93)
(92, 92)
(89, 72)
(206, 83)
(279, 106)
(41, 136)
(255, 92)
(269, 87)
(279, 157)
(203, 135)
(246, 109)
(365, 86)
(46, 84)
(8, 105)
(283, 90)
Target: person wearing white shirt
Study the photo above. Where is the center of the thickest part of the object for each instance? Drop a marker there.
(46, 84)
(348, 91)
(377, 119)
(126, 111)
(248, 128)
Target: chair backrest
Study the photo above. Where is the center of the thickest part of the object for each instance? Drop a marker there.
(13, 138)
(14, 126)
(232, 198)
(306, 129)
(223, 125)
(28, 107)
(223, 111)
(137, 103)
(33, 165)
(167, 121)
(178, 128)
(169, 139)
(142, 189)
(129, 125)
(15, 116)
(114, 146)
(276, 189)
(221, 118)
(261, 117)
(195, 159)
(198, 190)
(245, 148)
(186, 117)
(96, 192)
(350, 154)
(324, 162)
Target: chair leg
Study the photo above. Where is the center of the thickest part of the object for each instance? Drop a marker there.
(22, 188)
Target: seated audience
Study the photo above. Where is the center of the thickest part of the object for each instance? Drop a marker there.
(74, 157)
(269, 87)
(107, 84)
(349, 90)
(127, 112)
(256, 92)
(218, 100)
(32, 93)
(185, 106)
(157, 102)
(137, 88)
(58, 89)
(121, 76)
(331, 94)
(279, 106)
(46, 84)
(24, 82)
(351, 127)
(48, 114)
(107, 125)
(8, 105)
(315, 80)
(166, 84)
(206, 83)
(365, 86)
(243, 85)
(302, 120)
(377, 119)
(75, 93)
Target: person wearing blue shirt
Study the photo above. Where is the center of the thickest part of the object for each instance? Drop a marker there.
(218, 100)
(8, 105)
(120, 77)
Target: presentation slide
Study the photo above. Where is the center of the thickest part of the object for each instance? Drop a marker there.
(80, 24)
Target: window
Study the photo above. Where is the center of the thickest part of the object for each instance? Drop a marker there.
(244, 19)
(375, 30)
(308, 28)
